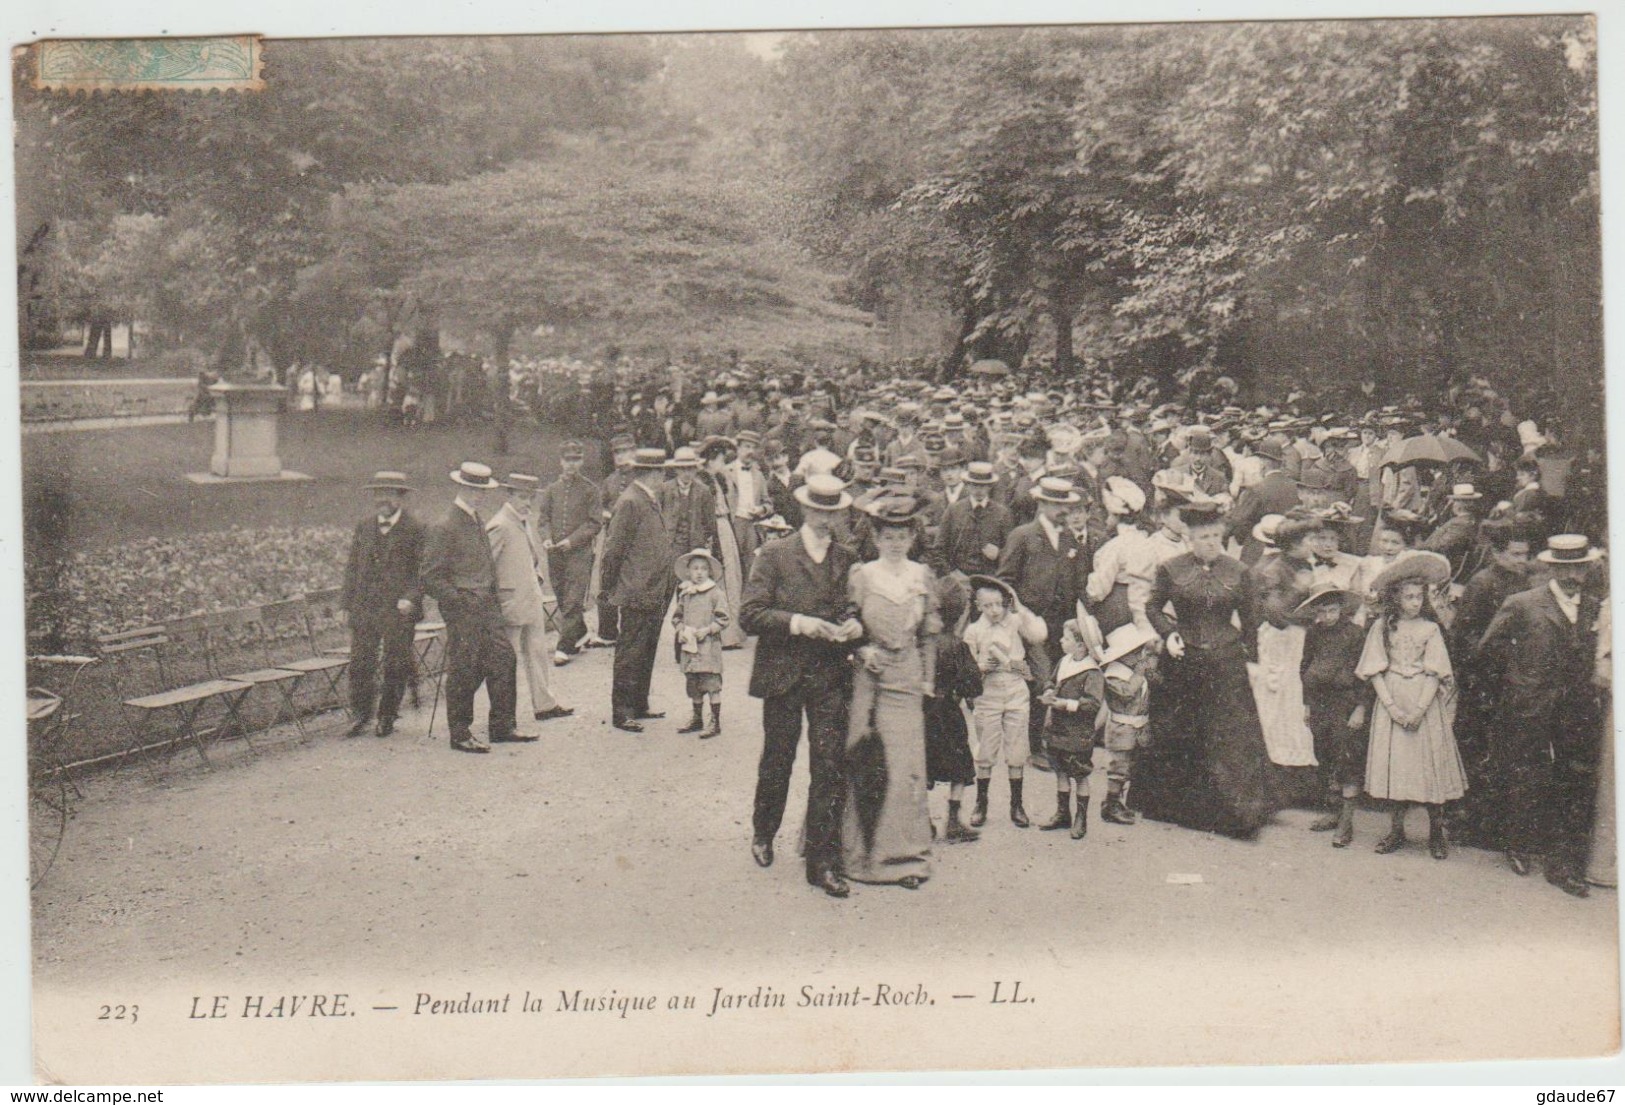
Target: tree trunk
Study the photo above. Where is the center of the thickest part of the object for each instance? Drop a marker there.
(501, 409)
(1062, 313)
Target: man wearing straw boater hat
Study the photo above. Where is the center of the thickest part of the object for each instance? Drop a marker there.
(1544, 739)
(795, 603)
(459, 571)
(382, 597)
(636, 575)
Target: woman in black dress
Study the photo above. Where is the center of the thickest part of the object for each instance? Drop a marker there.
(1206, 766)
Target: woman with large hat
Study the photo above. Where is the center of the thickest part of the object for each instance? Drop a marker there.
(886, 837)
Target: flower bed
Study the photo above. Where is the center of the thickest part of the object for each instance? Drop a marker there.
(84, 595)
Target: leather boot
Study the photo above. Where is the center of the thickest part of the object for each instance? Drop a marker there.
(1395, 840)
(1345, 825)
(978, 816)
(1080, 820)
(1438, 843)
(1113, 812)
(1327, 821)
(1063, 812)
(1018, 815)
(956, 832)
(695, 723)
(715, 727)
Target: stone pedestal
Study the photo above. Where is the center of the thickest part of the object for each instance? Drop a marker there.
(245, 431)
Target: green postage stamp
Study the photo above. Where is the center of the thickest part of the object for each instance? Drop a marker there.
(230, 63)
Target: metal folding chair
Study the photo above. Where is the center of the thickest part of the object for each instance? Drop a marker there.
(294, 622)
(131, 651)
(238, 636)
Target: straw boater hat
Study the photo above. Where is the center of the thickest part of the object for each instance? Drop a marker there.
(1350, 600)
(649, 459)
(572, 450)
(980, 472)
(684, 457)
(823, 492)
(683, 561)
(1568, 548)
(477, 476)
(1465, 492)
(389, 481)
(1051, 489)
(775, 524)
(519, 481)
(709, 399)
(1124, 640)
(1419, 564)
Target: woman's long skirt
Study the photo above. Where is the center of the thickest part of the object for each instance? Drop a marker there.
(733, 581)
(886, 834)
(1205, 766)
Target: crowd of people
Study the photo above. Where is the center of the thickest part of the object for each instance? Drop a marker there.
(1245, 608)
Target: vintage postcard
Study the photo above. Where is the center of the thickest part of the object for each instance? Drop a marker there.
(829, 551)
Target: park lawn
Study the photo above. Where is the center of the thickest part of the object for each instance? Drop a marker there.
(87, 490)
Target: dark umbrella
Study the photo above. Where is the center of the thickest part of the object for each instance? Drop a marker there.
(1429, 449)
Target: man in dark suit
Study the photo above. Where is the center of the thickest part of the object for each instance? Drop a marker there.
(974, 528)
(1276, 493)
(566, 523)
(459, 572)
(781, 483)
(689, 507)
(1049, 569)
(1546, 732)
(622, 447)
(636, 575)
(382, 597)
(796, 604)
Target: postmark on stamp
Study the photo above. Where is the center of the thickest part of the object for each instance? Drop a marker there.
(230, 63)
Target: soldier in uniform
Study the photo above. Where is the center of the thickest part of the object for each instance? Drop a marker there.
(567, 520)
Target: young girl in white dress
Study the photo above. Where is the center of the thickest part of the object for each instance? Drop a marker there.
(1413, 756)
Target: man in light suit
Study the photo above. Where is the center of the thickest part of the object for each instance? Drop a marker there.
(514, 549)
(459, 572)
(636, 577)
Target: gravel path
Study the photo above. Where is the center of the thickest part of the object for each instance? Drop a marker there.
(608, 856)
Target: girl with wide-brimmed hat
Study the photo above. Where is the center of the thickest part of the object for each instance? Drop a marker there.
(1413, 756)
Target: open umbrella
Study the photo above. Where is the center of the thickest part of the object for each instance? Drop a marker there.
(990, 366)
(1429, 449)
